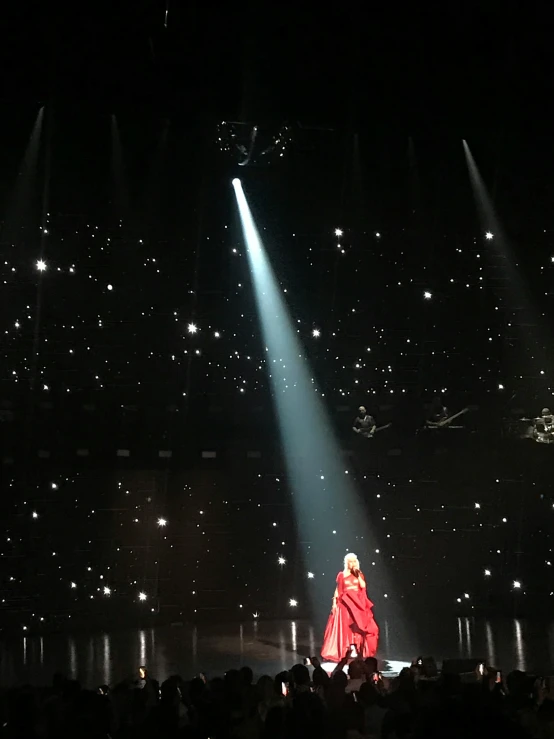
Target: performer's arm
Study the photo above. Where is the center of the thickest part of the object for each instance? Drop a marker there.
(361, 580)
(339, 588)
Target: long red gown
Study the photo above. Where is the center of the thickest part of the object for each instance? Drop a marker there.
(351, 622)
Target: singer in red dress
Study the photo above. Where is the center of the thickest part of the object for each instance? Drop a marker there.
(351, 620)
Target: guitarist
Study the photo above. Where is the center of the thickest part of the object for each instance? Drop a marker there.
(364, 424)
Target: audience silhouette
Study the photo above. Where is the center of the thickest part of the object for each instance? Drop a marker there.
(356, 702)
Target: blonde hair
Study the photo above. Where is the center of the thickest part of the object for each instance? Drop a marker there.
(348, 556)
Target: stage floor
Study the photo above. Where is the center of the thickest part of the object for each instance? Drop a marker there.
(266, 646)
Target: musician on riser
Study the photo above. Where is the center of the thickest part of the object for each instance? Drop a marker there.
(364, 424)
(438, 413)
(439, 418)
(543, 427)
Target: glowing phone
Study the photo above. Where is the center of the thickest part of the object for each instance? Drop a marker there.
(142, 672)
(481, 669)
(284, 689)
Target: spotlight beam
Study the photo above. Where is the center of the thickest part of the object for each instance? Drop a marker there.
(523, 312)
(330, 518)
(17, 210)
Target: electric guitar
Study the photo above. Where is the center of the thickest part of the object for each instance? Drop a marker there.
(442, 424)
(366, 432)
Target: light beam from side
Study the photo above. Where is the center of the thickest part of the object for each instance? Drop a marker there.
(329, 516)
(119, 177)
(513, 294)
(22, 200)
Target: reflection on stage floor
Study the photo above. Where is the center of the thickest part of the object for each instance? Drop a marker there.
(267, 646)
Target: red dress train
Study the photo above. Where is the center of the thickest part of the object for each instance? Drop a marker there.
(351, 622)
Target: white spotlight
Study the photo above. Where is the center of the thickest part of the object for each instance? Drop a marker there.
(235, 182)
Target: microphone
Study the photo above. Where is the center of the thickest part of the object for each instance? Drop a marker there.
(356, 573)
